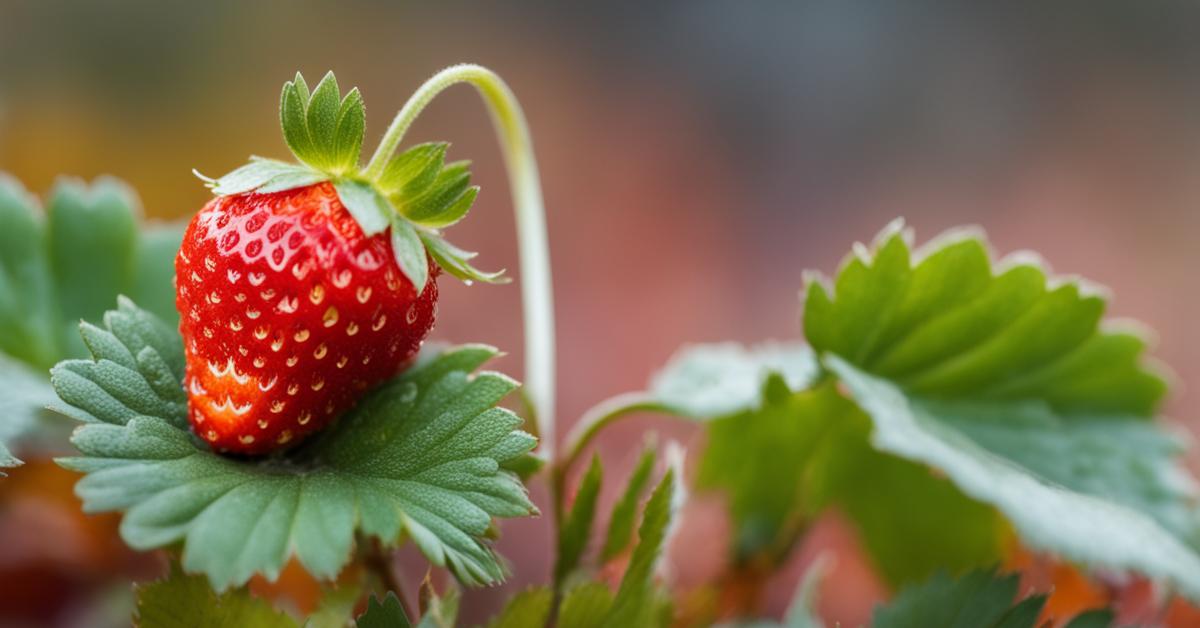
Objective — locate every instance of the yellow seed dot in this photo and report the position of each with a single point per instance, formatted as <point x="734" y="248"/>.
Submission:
<point x="320" y="351"/>
<point x="351" y="329"/>
<point x="317" y="294"/>
<point x="301" y="335"/>
<point x="331" y="317"/>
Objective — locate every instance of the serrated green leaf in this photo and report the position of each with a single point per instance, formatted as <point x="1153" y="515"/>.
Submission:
<point x="412" y="172"/>
<point x="624" y="512"/>
<point x="586" y="606"/>
<point x="528" y="609"/>
<point x="386" y="614"/>
<point x="30" y="321"/>
<point x="154" y="269"/>
<point x="91" y="241"/>
<point x="418" y="458"/>
<point x="637" y="602"/>
<point x="1008" y="384"/>
<point x="370" y="209"/>
<point x="409" y="250"/>
<point x="457" y="261"/>
<point x="980" y="599"/>
<point x="183" y="601"/>
<point x="577" y="527"/>
<point x="947" y="327"/>
<point x="715" y="380"/>
<point x="1095" y="529"/>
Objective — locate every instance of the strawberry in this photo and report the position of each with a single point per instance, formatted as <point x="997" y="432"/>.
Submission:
<point x="302" y="286"/>
<point x="289" y="312"/>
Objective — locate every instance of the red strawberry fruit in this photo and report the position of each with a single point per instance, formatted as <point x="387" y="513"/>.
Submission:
<point x="301" y="286"/>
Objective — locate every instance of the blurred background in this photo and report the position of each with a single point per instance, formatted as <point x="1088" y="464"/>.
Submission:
<point x="697" y="157"/>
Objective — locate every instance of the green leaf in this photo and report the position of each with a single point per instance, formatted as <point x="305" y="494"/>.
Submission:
<point x="265" y="176"/>
<point x="457" y="261"/>
<point x="336" y="607"/>
<point x="409" y="250"/>
<point x="418" y="458"/>
<point x="24" y="395"/>
<point x="30" y="319"/>
<point x="586" y="606"/>
<point x="369" y="208"/>
<point x="709" y="381"/>
<point x="1008" y="383"/>
<point x="529" y="608"/>
<point x="91" y="239"/>
<point x="760" y="459"/>
<point x="323" y="129"/>
<point x="1088" y="518"/>
<point x="900" y="508"/>
<point x="577" y="527"/>
<point x="154" y="269"/>
<point x="980" y="599"/>
<point x="182" y="601"/>
<point x="624" y="512"/>
<point x="949" y="327"/>
<point x="637" y="602"/>
<point x="386" y="614"/>
<point x="1101" y="618"/>
<point x="412" y="172"/>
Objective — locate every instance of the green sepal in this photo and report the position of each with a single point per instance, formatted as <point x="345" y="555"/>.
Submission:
<point x="412" y="172"/>
<point x="264" y="176"/>
<point x="456" y="261"/>
<point x="624" y="512"/>
<point x="443" y="203"/>
<point x="323" y="130"/>
<point x="409" y="249"/>
<point x="370" y="209"/>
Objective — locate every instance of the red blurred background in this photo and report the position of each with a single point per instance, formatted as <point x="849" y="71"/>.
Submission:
<point x="697" y="157"/>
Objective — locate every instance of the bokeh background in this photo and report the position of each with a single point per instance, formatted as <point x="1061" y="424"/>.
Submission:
<point x="697" y="156"/>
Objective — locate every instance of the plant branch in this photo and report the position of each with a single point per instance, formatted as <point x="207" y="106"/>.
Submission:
<point x="536" y="289"/>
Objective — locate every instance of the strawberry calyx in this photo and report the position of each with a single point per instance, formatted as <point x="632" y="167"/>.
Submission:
<point x="416" y="194"/>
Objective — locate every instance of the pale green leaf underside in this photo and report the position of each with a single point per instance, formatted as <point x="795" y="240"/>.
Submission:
<point x="419" y="458"/>
<point x="1082" y="507"/>
<point x="714" y="380"/>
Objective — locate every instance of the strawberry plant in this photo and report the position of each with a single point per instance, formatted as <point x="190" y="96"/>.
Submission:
<point x="955" y="408"/>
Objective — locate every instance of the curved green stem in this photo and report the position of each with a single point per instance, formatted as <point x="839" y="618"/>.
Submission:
<point x="536" y="290"/>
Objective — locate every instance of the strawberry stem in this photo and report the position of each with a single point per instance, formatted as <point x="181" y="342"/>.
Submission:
<point x="536" y="290"/>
